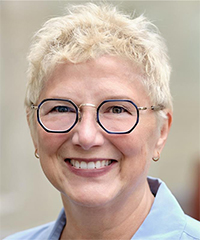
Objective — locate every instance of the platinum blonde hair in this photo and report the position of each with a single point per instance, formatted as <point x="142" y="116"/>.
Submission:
<point x="90" y="31"/>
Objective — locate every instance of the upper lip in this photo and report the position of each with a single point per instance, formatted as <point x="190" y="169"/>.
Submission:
<point x="90" y="159"/>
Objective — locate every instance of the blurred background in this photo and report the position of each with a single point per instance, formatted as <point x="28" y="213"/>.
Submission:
<point x="27" y="198"/>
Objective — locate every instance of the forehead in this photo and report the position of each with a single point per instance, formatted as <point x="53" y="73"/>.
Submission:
<point x="104" y="77"/>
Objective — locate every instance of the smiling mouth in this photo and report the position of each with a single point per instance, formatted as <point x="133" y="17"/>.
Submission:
<point x="89" y="165"/>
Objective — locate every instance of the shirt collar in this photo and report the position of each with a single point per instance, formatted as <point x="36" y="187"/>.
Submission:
<point x="58" y="227"/>
<point x="166" y="219"/>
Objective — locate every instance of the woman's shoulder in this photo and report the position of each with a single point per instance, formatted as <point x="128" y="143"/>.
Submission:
<point x="192" y="229"/>
<point x="36" y="233"/>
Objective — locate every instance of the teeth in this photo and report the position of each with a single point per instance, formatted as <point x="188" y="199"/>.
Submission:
<point x="103" y="163"/>
<point x="83" y="165"/>
<point x="90" y="165"/>
<point x="77" y="164"/>
<point x="72" y="162"/>
<point x="98" y="164"/>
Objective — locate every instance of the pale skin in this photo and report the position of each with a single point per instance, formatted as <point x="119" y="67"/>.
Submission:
<point x="113" y="204"/>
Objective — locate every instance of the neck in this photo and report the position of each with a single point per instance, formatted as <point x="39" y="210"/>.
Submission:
<point x="117" y="220"/>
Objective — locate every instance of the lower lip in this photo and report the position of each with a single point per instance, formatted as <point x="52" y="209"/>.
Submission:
<point x="97" y="172"/>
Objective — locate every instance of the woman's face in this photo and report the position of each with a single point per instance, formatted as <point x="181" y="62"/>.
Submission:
<point x="129" y="154"/>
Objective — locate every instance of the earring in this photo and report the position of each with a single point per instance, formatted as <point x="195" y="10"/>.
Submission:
<point x="155" y="159"/>
<point x="36" y="154"/>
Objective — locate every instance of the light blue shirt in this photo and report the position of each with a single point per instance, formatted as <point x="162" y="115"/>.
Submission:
<point x="165" y="221"/>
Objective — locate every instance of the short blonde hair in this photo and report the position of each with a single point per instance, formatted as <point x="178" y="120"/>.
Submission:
<point x="90" y="31"/>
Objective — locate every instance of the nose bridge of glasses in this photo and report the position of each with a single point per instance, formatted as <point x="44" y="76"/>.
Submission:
<point x="87" y="105"/>
<point x="84" y="105"/>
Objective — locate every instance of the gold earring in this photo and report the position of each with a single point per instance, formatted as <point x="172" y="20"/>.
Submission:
<point x="36" y="154"/>
<point x="155" y="159"/>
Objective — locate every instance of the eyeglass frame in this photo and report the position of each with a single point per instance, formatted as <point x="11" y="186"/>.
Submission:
<point x="78" y="112"/>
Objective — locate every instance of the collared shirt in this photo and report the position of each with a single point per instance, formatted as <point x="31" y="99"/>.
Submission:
<point x="165" y="221"/>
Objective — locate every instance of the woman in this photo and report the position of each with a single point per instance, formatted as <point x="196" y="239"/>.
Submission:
<point x="100" y="110"/>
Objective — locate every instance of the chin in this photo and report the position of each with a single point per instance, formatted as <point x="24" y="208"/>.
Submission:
<point x="90" y="196"/>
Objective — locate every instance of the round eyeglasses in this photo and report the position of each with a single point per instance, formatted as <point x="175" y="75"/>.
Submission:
<point x="115" y="116"/>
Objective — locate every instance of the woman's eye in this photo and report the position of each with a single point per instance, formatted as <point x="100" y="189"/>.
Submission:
<point x="62" y="109"/>
<point x="117" y="109"/>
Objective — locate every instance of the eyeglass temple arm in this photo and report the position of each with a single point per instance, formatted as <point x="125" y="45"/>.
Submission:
<point x="34" y="106"/>
<point x="154" y="108"/>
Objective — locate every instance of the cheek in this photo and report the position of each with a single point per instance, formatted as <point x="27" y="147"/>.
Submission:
<point x="48" y="149"/>
<point x="137" y="147"/>
<point x="49" y="143"/>
<point x="131" y="146"/>
<point x="135" y="160"/>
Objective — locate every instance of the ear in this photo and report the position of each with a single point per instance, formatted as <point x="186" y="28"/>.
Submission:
<point x="163" y="133"/>
<point x="32" y="127"/>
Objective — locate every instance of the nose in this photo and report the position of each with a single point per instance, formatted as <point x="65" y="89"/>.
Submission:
<point x="87" y="133"/>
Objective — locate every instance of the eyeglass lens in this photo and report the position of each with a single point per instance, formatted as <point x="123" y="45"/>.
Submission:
<point x="114" y="116"/>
